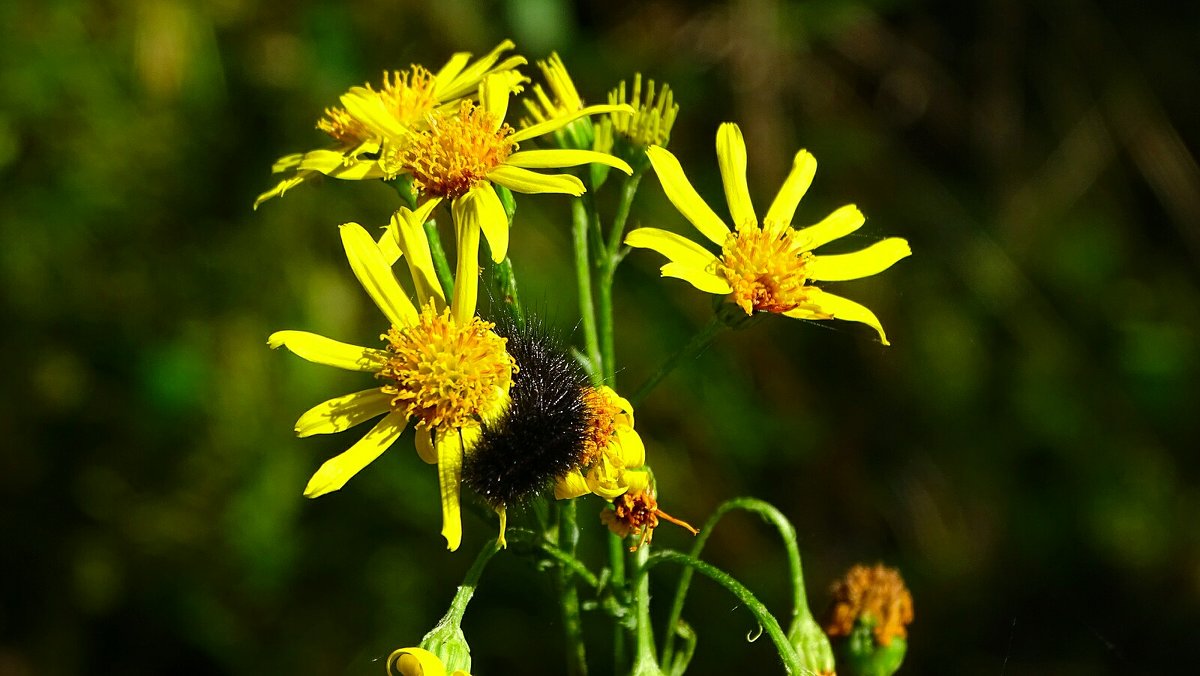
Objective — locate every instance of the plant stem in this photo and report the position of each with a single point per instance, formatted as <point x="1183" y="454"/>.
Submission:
<point x="791" y="659"/>
<point x="629" y="189"/>
<point x="645" y="632"/>
<point x="441" y="265"/>
<point x="581" y="571"/>
<point x="616" y="563"/>
<point x="458" y="607"/>
<point x="690" y="350"/>
<point x="606" y="262"/>
<point x="568" y="538"/>
<point x="768" y="512"/>
<point x="583" y="279"/>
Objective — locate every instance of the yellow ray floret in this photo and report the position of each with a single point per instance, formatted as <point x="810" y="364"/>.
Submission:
<point x="768" y="267"/>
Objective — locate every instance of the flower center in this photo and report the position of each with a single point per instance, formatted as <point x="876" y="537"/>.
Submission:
<point x="638" y="513"/>
<point x="343" y="127"/>
<point x="765" y="267"/>
<point x="409" y="94"/>
<point x="446" y="374"/>
<point x="877" y="594"/>
<point x="456" y="152"/>
<point x="601" y="424"/>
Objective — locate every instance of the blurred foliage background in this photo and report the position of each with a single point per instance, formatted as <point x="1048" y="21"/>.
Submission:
<point x="1025" y="452"/>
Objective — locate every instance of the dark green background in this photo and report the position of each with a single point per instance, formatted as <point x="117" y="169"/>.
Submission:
<point x="1025" y="452"/>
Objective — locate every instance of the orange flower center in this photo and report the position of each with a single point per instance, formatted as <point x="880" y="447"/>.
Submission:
<point x="876" y="595"/>
<point x="638" y="513"/>
<point x="601" y="427"/>
<point x="456" y="152"/>
<point x="766" y="267"/>
<point x="446" y="374"/>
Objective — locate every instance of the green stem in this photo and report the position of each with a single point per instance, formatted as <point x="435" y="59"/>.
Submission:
<point x="608" y="356"/>
<point x="568" y="538"/>
<point x="441" y="265"/>
<point x="616" y="563"/>
<point x="791" y="659"/>
<point x="607" y="261"/>
<point x="458" y="607"/>
<point x="629" y="189"/>
<point x="690" y="350"/>
<point x="645" y="632"/>
<point x="768" y="512"/>
<point x="583" y="278"/>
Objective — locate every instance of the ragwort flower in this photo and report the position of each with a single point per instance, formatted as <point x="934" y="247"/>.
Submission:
<point x="465" y="151"/>
<point x="767" y="267"/>
<point x="370" y="119"/>
<point x="637" y="512"/>
<point x="441" y="366"/>
<point x="612" y="450"/>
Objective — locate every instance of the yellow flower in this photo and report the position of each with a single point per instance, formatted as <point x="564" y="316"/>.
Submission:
<point x="612" y="450"/>
<point x="371" y="120"/>
<point x="562" y="101"/>
<point x="653" y="117"/>
<point x="764" y="268"/>
<point x="463" y="152"/>
<point x="417" y="662"/>
<point x="637" y="512"/>
<point x="441" y="366"/>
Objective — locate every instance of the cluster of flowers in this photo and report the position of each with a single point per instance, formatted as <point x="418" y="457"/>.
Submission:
<point x="444" y="137"/>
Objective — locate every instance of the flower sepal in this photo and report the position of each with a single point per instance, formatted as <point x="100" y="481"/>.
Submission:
<point x="811" y="643"/>
<point x="448" y="643"/>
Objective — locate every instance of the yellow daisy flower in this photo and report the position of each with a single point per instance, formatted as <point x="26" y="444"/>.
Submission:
<point x="462" y="153"/>
<point x="765" y="268"/>
<point x="612" y="450"/>
<point x="440" y="366"/>
<point x="417" y="662"/>
<point x="370" y="119"/>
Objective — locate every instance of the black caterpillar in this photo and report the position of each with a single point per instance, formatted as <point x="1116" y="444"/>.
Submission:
<point x="540" y="438"/>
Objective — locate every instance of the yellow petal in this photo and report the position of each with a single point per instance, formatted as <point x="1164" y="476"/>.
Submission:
<point x="414" y="244"/>
<point x="493" y="98"/>
<point x="467" y="212"/>
<point x="414" y="662"/>
<point x="323" y="161"/>
<point x="282" y="187"/>
<point x="449" y="73"/>
<point x="804" y="167"/>
<point x="493" y="221"/>
<point x="605" y="480"/>
<point x="322" y="350"/>
<point x="337" y="470"/>
<point x="557" y="123"/>
<point x="869" y="261"/>
<point x="559" y="158"/>
<point x="387" y="243"/>
<point x="685" y="198"/>
<point x="424" y="443"/>
<point x="502" y="512"/>
<point x="450" y="454"/>
<point x="731" y="156"/>
<point x="376" y="277"/>
<point x="630" y="446"/>
<point x="342" y="413"/>
<point x="287" y="162"/>
<point x="840" y="223"/>
<point x="677" y="248"/>
<point x="530" y="182"/>
<point x="826" y="305"/>
<point x="465" y="79"/>
<point x="369" y="108"/>
<point x="638" y="481"/>
<point x="701" y="279"/>
<point x="624" y="406"/>
<point x="570" y="486"/>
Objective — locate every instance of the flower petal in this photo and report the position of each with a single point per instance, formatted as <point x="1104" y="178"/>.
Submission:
<point x="387" y="243"/>
<point x="283" y="186"/>
<point x="493" y="98"/>
<point x="564" y="157"/>
<point x="630" y="446"/>
<point x="465" y="79"/>
<point x="677" y="248"/>
<point x="701" y="279"/>
<point x="570" y="486"/>
<point x="449" y="73"/>
<point x="840" y="223"/>
<point x="731" y="156"/>
<point x="685" y="198"/>
<point x="375" y="275"/>
<point x="337" y="470"/>
<point x="530" y="182"/>
<point x="468" y="214"/>
<point x="556" y="123"/>
<point x="870" y="261"/>
<point x="409" y="231"/>
<point x="450" y="455"/>
<point x="825" y="305"/>
<point x="424" y="444"/>
<point x="493" y="222"/>
<point x="327" y="351"/>
<point x="804" y="167"/>
<point x="344" y="412"/>
<point x="638" y="481"/>
<point x="369" y="108"/>
<point x="414" y="662"/>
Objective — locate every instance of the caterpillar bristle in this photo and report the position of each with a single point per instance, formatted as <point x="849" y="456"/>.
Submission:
<point x="540" y="437"/>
